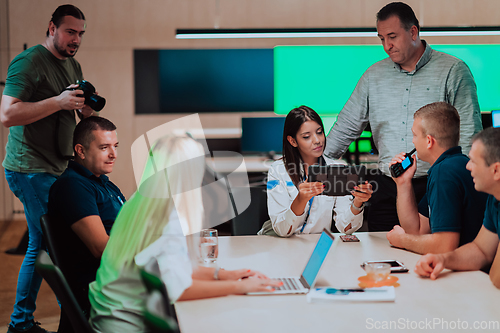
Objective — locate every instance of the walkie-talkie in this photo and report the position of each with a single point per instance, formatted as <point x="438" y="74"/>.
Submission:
<point x="398" y="168"/>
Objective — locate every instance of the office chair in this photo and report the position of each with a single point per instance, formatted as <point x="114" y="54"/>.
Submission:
<point x="251" y="220"/>
<point x="151" y="277"/>
<point x="49" y="238"/>
<point x="156" y="318"/>
<point x="56" y="280"/>
<point x="57" y="251"/>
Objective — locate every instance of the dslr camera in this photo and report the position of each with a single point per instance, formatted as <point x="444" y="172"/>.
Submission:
<point x="93" y="100"/>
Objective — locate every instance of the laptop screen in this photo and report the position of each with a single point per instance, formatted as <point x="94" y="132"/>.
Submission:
<point x="317" y="257"/>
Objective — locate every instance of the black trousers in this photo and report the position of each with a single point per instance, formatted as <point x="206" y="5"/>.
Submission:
<point x="381" y="213"/>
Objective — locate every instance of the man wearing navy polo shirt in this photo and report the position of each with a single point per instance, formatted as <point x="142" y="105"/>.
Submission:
<point x="484" y="165"/>
<point x="84" y="203"/>
<point x="451" y="212"/>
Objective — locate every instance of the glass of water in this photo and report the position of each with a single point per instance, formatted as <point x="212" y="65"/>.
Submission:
<point x="209" y="246"/>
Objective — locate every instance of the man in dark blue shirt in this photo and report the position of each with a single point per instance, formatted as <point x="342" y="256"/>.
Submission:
<point x="451" y="212"/>
<point x="84" y="203"/>
<point x="484" y="165"/>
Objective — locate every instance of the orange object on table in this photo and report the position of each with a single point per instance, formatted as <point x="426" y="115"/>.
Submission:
<point x="366" y="282"/>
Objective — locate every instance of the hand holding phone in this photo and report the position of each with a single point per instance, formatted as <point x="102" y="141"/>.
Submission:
<point x="398" y="169"/>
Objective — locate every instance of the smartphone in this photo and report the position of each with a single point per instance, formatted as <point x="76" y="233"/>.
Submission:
<point x="396" y="266"/>
<point x="495" y="118"/>
<point x="349" y="238"/>
<point x="398" y="168"/>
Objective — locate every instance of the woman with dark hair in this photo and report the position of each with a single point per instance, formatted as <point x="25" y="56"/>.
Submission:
<point x="297" y="206"/>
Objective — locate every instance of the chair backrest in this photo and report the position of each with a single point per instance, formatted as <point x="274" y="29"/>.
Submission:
<point x="156" y="317"/>
<point x="56" y="280"/>
<point x="251" y="220"/>
<point x="49" y="236"/>
<point x="66" y="253"/>
<point x="151" y="276"/>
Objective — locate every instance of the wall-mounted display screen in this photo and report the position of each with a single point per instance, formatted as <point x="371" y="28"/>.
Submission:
<point x="262" y="135"/>
<point x="196" y="81"/>
<point x="323" y="77"/>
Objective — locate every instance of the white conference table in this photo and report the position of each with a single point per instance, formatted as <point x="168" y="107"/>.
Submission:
<point x="456" y="299"/>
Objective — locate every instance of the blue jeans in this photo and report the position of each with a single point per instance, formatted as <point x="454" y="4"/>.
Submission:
<point x="33" y="191"/>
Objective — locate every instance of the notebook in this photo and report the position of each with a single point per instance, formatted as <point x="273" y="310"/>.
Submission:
<point x="381" y="294"/>
<point x="302" y="284"/>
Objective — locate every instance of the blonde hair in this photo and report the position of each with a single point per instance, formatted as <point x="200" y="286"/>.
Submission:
<point x="171" y="180"/>
<point x="442" y="121"/>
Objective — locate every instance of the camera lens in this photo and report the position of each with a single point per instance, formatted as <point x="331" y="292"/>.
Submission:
<point x="96" y="102"/>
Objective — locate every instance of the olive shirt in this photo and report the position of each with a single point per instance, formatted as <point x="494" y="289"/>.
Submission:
<point x="34" y="75"/>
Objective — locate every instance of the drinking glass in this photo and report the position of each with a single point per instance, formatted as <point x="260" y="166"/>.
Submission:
<point x="377" y="271"/>
<point x="209" y="246"/>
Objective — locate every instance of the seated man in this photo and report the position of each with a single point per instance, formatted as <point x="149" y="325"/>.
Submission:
<point x="451" y="212"/>
<point x="484" y="165"/>
<point x="83" y="204"/>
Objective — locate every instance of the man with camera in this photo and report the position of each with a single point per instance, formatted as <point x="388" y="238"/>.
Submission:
<point x="451" y="212"/>
<point x="83" y="205"/>
<point x="484" y="166"/>
<point x="38" y="105"/>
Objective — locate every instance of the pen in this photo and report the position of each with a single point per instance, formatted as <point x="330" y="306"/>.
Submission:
<point x="120" y="199"/>
<point x="348" y="291"/>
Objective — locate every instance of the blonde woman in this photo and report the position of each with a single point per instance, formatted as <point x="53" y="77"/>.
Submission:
<point x="167" y="206"/>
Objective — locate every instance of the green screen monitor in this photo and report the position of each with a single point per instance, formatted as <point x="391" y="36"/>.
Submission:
<point x="323" y="77"/>
<point x="364" y="143"/>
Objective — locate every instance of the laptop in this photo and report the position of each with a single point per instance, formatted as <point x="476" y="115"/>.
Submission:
<point x="302" y="284"/>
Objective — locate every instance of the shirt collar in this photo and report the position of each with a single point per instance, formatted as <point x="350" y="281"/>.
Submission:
<point x="424" y="59"/>
<point x="496" y="203"/>
<point x="450" y="152"/>
<point x="83" y="171"/>
<point x="52" y="56"/>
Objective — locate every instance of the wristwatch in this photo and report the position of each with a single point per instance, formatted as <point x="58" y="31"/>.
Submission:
<point x="358" y="208"/>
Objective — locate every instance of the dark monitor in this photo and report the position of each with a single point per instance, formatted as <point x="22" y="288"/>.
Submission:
<point x="204" y="80"/>
<point x="487" y="119"/>
<point x="262" y="135"/>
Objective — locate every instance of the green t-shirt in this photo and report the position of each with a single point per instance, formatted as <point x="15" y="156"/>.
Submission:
<point x="34" y="75"/>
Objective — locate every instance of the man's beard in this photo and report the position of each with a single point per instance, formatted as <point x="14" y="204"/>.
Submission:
<point x="61" y="50"/>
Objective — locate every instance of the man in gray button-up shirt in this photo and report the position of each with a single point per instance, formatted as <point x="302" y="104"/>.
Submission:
<point x="388" y="94"/>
